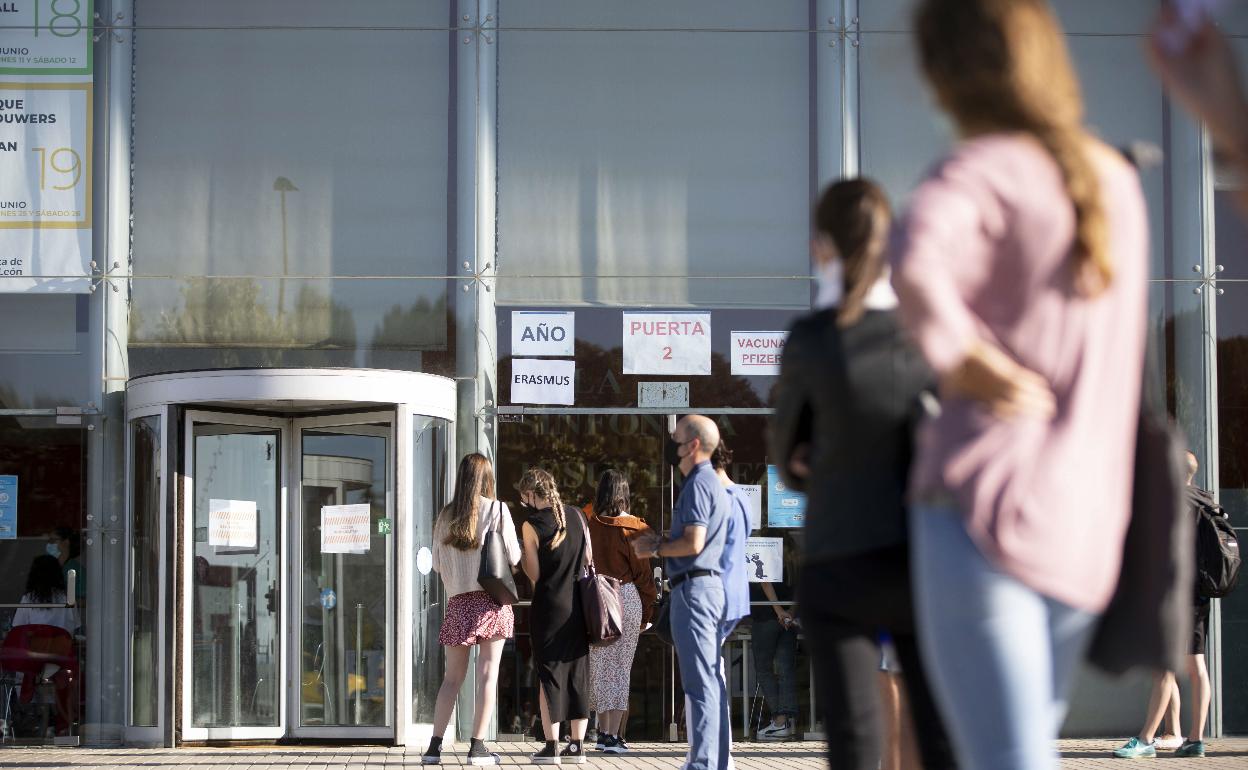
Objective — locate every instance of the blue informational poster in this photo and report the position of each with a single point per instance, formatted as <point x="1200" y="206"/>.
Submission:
<point x="8" y="507"/>
<point x="785" y="508"/>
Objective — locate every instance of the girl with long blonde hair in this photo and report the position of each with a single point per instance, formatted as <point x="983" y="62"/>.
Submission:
<point x="1021" y="268"/>
<point x="554" y="546"/>
<point x="473" y="618"/>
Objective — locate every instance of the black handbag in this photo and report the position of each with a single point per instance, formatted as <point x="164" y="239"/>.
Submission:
<point x="600" y="597"/>
<point x="1148" y="622"/>
<point x="662" y="625"/>
<point x="495" y="575"/>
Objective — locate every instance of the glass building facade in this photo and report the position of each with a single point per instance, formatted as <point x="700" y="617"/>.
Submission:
<point x="316" y="226"/>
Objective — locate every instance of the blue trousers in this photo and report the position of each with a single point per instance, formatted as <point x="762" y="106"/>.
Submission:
<point x="697" y="629"/>
<point x="1001" y="657"/>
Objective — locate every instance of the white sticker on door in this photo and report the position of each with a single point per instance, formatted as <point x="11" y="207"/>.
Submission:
<point x="345" y="528"/>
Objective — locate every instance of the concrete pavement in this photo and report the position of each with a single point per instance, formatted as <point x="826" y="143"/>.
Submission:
<point x="1225" y="754"/>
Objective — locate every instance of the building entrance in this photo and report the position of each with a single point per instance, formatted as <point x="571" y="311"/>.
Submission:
<point x="278" y="544"/>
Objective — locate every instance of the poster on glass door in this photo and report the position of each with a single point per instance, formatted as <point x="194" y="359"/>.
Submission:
<point x="232" y="523"/>
<point x="346" y="528"/>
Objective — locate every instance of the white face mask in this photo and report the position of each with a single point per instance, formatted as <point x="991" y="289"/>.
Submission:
<point x="831" y="283"/>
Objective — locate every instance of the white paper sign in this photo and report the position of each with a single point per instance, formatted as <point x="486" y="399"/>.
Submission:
<point x="543" y="334"/>
<point x="538" y="381"/>
<point x="232" y="523"/>
<point x="41" y="37"/>
<point x="345" y="528"/>
<point x="45" y="187"/>
<point x="764" y="559"/>
<point x="754" y="495"/>
<point x="757" y="353"/>
<point x="667" y="343"/>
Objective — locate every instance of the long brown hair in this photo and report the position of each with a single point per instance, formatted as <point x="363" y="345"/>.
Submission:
<point x="612" y="496"/>
<point x="473" y="481"/>
<point x="855" y="215"/>
<point x="1002" y="65"/>
<point x="541" y="484"/>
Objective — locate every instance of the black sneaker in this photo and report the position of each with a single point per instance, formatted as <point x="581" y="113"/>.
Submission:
<point x="547" y="756"/>
<point x="615" y="746"/>
<point x="574" y="754"/>
<point x="623" y="745"/>
<point x="480" y="756"/>
<point x="601" y="745"/>
<point x="431" y="758"/>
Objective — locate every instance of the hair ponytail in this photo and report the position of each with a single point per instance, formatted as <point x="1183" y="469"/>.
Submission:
<point x="541" y="484"/>
<point x="1093" y="268"/>
<point x="855" y="215"/>
<point x="1003" y="66"/>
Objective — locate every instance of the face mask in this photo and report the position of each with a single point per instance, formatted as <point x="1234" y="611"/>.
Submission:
<point x="53" y="550"/>
<point x="671" y="452"/>
<point x="830" y="284"/>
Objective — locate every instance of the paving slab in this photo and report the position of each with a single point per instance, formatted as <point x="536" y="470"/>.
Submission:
<point x="1084" y="754"/>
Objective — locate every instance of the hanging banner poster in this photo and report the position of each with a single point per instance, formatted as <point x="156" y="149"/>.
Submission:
<point x="346" y="528"/>
<point x="785" y="508"/>
<point x="667" y="343"/>
<point x="232" y="523"/>
<point x="45" y="187"/>
<point x="539" y="381"/>
<point x="8" y="507"/>
<point x="754" y="494"/>
<point x="46" y="37"/>
<point x="543" y="334"/>
<point x="757" y="353"/>
<point x="764" y="559"/>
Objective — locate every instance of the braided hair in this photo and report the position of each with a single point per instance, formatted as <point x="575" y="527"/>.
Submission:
<point x="541" y="485"/>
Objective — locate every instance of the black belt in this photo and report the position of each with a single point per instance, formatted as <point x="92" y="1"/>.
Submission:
<point x="691" y="574"/>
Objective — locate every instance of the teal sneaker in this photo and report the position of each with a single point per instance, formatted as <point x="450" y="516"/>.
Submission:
<point x="1191" y="749"/>
<point x="1136" y="748"/>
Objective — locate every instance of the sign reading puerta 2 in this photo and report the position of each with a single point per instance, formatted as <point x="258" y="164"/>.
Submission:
<point x="45" y="145"/>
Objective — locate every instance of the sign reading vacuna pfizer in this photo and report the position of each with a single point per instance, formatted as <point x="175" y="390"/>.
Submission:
<point x="8" y="507"/>
<point x="785" y="508"/>
<point x="757" y="353"/>
<point x="543" y="334"/>
<point x="541" y="381"/>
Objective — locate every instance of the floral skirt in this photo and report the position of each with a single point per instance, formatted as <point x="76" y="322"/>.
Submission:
<point x="611" y="666"/>
<point x="473" y="618"/>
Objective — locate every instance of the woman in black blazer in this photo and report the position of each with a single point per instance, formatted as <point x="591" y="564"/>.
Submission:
<point x="849" y="395"/>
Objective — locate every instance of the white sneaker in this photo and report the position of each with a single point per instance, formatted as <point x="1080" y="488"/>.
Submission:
<point x="773" y="733"/>
<point x="1168" y="742"/>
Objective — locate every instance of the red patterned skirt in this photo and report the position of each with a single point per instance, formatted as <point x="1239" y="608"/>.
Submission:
<point x="473" y="618"/>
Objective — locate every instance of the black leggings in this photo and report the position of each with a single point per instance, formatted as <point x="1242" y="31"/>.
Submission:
<point x="844" y="604"/>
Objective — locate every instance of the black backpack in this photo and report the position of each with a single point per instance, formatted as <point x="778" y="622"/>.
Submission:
<point x="1217" y="548"/>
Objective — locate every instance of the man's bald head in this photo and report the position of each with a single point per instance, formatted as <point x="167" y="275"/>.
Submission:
<point x="703" y="429"/>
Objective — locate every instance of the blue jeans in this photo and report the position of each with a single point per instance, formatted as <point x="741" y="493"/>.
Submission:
<point x="775" y="648"/>
<point x="697" y="628"/>
<point x="1001" y="657"/>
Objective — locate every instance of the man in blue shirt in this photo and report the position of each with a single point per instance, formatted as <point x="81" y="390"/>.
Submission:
<point x="693" y="550"/>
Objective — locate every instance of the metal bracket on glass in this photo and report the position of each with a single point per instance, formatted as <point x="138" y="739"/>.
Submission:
<point x="99" y="276"/>
<point x="1208" y="281"/>
<point x="846" y="34"/>
<point x="482" y="276"/>
<point x="103" y="27"/>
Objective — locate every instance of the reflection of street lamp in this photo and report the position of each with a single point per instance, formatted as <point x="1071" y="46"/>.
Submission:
<point x="283" y="186"/>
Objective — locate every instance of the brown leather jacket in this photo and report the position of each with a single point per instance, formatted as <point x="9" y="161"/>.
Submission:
<point x="613" y="555"/>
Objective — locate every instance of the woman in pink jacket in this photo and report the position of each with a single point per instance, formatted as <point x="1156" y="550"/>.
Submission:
<point x="1021" y="269"/>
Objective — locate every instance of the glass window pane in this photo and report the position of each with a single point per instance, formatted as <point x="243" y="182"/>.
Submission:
<point x="145" y="561"/>
<point x="430" y="480"/>
<point x="628" y="161"/>
<point x="259" y="153"/>
<point x="600" y="379"/>
<point x="235" y="625"/>
<point x="196" y="323"/>
<point x="344" y="627"/>
<point x="45" y="346"/>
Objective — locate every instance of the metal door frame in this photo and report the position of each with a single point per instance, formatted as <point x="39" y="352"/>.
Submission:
<point x="294" y="550"/>
<point x="186" y="514"/>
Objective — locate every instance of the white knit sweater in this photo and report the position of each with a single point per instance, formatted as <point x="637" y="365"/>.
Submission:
<point x="458" y="568"/>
